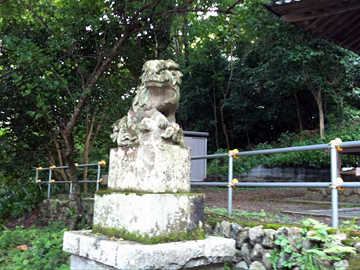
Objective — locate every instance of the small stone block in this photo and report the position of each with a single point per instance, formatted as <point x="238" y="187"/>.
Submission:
<point x="132" y="255"/>
<point x="150" y="168"/>
<point x="149" y="215"/>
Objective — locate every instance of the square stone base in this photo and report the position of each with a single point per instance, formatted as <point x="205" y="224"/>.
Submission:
<point x="148" y="215"/>
<point x="100" y="252"/>
<point x="150" y="168"/>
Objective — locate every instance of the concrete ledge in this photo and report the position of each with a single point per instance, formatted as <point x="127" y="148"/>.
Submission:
<point x="150" y="168"/>
<point x="149" y="215"/>
<point x="103" y="253"/>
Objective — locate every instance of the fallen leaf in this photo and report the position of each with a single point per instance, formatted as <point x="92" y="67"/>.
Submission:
<point x="23" y="247"/>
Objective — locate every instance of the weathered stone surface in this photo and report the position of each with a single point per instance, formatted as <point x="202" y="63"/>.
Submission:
<point x="256" y="234"/>
<point x="149" y="215"/>
<point x="242" y="238"/>
<point x="208" y="229"/>
<point x="81" y="263"/>
<point x="151" y="119"/>
<point x="235" y="230"/>
<point x="132" y="255"/>
<point x="256" y="252"/>
<point x="344" y="264"/>
<point x="348" y="192"/>
<point x="313" y="196"/>
<point x="242" y="266"/>
<point x="269" y="238"/>
<point x="56" y="210"/>
<point x="245" y="252"/>
<point x="223" y="229"/>
<point x="294" y="236"/>
<point x="284" y="174"/>
<point x="257" y="266"/>
<point x="357" y="246"/>
<point x="265" y="258"/>
<point x="150" y="168"/>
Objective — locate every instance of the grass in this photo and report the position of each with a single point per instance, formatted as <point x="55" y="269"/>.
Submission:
<point x="34" y="248"/>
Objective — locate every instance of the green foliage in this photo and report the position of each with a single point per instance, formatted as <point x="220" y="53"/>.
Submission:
<point x="314" y="159"/>
<point x="33" y="248"/>
<point x="325" y="249"/>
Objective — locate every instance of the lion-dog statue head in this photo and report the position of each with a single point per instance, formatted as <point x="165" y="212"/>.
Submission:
<point x="151" y="118"/>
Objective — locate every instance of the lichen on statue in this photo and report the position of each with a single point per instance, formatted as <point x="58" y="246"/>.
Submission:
<point x="151" y="118"/>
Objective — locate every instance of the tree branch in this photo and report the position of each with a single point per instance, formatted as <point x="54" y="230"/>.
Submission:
<point x="51" y="32"/>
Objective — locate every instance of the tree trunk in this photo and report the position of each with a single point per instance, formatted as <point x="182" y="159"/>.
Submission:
<point x="72" y="172"/>
<point x="214" y="107"/>
<point x="298" y="112"/>
<point x="317" y="95"/>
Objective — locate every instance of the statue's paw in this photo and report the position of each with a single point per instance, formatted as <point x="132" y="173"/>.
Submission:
<point x="146" y="124"/>
<point x="161" y="121"/>
<point x="168" y="133"/>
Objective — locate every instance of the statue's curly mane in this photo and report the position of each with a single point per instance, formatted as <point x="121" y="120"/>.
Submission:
<point x="154" y="105"/>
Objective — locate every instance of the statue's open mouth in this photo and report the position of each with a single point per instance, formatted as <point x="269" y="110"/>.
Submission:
<point x="157" y="84"/>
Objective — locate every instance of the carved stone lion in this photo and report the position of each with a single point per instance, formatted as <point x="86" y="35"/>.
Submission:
<point x="151" y="118"/>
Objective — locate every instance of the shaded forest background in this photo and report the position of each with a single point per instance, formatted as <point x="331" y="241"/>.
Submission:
<point x="69" y="70"/>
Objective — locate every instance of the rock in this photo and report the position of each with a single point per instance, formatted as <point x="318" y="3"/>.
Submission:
<point x="265" y="257"/>
<point x="282" y="259"/>
<point x="208" y="229"/>
<point x="245" y="253"/>
<point x="222" y="229"/>
<point x="257" y="266"/>
<point x="344" y="264"/>
<point x="348" y="192"/>
<point x="313" y="196"/>
<point x="256" y="252"/>
<point x="357" y="246"/>
<point x="307" y="243"/>
<point x="242" y="238"/>
<point x="282" y="230"/>
<point x="242" y="266"/>
<point x="269" y="238"/>
<point x="235" y="230"/>
<point x="294" y="236"/>
<point x="323" y="191"/>
<point x="340" y="236"/>
<point x="353" y="199"/>
<point x="256" y="234"/>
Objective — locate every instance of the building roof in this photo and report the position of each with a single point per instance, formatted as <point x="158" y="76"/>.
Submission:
<point x="337" y="21"/>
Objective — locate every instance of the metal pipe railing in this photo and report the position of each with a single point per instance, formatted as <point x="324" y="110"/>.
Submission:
<point x="336" y="182"/>
<point x="52" y="181"/>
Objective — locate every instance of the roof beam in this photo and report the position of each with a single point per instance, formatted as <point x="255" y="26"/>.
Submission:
<point x="316" y="15"/>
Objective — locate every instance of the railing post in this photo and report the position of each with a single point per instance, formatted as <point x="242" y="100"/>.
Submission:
<point x="334" y="183"/>
<point x="36" y="176"/>
<point x="98" y="177"/>
<point x="49" y="183"/>
<point x="230" y="190"/>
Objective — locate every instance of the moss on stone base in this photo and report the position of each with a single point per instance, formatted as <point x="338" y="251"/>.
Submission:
<point x="198" y="234"/>
<point x="128" y="192"/>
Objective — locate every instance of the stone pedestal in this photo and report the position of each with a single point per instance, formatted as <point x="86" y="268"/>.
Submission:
<point x="146" y="216"/>
<point x="148" y="201"/>
<point x="100" y="252"/>
<point x="150" y="168"/>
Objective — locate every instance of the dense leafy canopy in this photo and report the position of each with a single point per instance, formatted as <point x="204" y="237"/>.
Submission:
<point x="68" y="70"/>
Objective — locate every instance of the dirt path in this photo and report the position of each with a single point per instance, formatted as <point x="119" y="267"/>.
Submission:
<point x="269" y="200"/>
<point x="250" y="204"/>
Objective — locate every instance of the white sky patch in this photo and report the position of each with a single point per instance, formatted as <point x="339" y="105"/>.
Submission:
<point x="88" y="28"/>
<point x="105" y="18"/>
<point x="212" y="12"/>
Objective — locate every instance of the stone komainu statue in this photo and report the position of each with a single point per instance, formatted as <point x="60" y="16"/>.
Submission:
<point x="151" y="118"/>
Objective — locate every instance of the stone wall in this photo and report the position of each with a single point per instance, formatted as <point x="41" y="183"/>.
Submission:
<point x="284" y="174"/>
<point x="55" y="210"/>
<point x="255" y="245"/>
<point x="263" y="173"/>
<point x="348" y="195"/>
